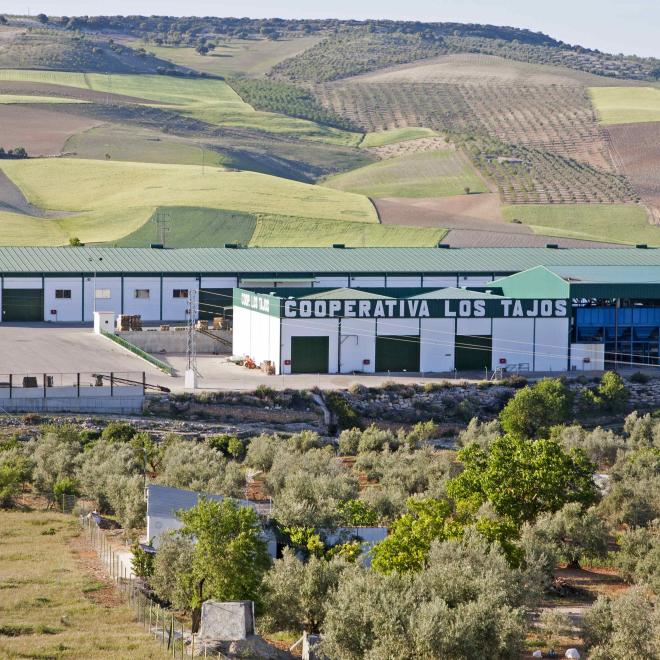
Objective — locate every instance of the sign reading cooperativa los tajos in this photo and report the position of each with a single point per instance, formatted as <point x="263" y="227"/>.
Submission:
<point x="387" y="308"/>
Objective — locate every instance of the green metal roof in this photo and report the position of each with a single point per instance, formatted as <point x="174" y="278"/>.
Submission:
<point x="281" y="261"/>
<point x="345" y="294"/>
<point x="608" y="274"/>
<point x="453" y="293"/>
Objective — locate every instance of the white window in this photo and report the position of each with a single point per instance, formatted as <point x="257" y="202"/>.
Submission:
<point x="180" y="293"/>
<point x="143" y="294"/>
<point x="63" y="293"/>
<point x="103" y="294"/>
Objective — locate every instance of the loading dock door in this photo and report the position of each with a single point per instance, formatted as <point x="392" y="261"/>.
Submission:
<point x="397" y="353"/>
<point x="215" y="302"/>
<point x="310" y="355"/>
<point x="473" y="352"/>
<point x="22" y="305"/>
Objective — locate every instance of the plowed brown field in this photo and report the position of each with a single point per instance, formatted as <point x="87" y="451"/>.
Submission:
<point x="636" y="152"/>
<point x="41" y="131"/>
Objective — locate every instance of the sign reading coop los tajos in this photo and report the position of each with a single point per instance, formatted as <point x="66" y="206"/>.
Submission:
<point x="403" y="308"/>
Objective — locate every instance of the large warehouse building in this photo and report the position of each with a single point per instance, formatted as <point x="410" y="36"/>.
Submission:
<point x="543" y="319"/>
<point x="387" y="309"/>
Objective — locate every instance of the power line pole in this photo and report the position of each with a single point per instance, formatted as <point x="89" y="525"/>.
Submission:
<point x="190" y="382"/>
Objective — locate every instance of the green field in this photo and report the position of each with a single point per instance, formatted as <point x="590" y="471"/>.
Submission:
<point x="626" y="105"/>
<point x="199" y="227"/>
<point x="237" y="57"/>
<point x="613" y="223"/>
<point x="297" y="232"/>
<point x="212" y="101"/>
<point x="111" y="199"/>
<point x="194" y="227"/>
<point x="53" y="604"/>
<point x="382" y="138"/>
<point x="131" y="143"/>
<point x="426" y="174"/>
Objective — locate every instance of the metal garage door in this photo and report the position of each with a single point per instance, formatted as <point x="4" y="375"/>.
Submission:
<point x="22" y="305"/>
<point x="310" y="355"/>
<point x="473" y="352"/>
<point x="397" y="353"/>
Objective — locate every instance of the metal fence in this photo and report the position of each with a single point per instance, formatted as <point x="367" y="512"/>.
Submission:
<point x="171" y="633"/>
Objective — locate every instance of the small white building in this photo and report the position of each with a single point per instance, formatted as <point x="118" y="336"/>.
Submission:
<point x="351" y="331"/>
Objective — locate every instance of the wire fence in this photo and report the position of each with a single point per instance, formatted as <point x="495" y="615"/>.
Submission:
<point x="173" y="636"/>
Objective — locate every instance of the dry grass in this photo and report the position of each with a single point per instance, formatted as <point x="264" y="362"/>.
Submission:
<point x="55" y="597"/>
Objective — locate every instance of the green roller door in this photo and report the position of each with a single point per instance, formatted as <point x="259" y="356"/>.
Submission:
<point x="212" y="302"/>
<point x="22" y="305"/>
<point x="397" y="353"/>
<point x="473" y="352"/>
<point x="310" y="355"/>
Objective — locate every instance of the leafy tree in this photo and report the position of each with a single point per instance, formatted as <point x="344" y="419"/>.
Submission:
<point x="261" y="451"/>
<point x="622" y="628"/>
<point x="55" y="457"/>
<point x="118" y="432"/>
<point x="10" y="484"/>
<point x="42" y="18"/>
<point x="3" y="20"/>
<point x="451" y="609"/>
<point x="356" y="513"/>
<point x="576" y="533"/>
<point x="172" y="577"/>
<point x="142" y="562"/>
<point x="534" y="410"/>
<point x="611" y="394"/>
<point x="483" y="433"/>
<point x="65" y="486"/>
<point x="408" y="543"/>
<point x="601" y="446"/>
<point x="638" y="559"/>
<point x="229" y="445"/>
<point x="523" y="478"/>
<point x="296" y="593"/>
<point x="230" y="556"/>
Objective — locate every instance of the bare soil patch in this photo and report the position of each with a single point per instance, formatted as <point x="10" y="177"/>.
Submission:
<point x="41" y="131"/>
<point x="456" y="212"/>
<point x="635" y="150"/>
<point x="408" y="147"/>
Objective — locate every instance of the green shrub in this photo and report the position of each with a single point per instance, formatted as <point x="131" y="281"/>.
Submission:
<point x="142" y="562"/>
<point x="347" y="417"/>
<point x="639" y="377"/>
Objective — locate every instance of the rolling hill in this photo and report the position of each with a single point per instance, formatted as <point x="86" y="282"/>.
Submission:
<point x="401" y="113"/>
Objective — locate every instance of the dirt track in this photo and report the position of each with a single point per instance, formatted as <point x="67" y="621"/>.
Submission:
<point x="42" y="131"/>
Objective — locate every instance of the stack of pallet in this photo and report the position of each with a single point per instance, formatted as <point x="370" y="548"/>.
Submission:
<point x="202" y="325"/>
<point x="126" y="322"/>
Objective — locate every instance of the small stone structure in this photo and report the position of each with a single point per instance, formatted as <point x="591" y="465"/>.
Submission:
<point x="231" y="621"/>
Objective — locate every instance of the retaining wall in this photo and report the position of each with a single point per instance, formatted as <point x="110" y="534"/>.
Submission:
<point x="174" y="341"/>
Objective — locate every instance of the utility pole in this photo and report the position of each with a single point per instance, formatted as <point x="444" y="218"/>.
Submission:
<point x="162" y="226"/>
<point x="190" y="381"/>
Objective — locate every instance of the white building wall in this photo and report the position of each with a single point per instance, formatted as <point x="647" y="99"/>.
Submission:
<point x="471" y="327"/>
<point x="22" y="283"/>
<point x="218" y="282"/>
<point x="513" y="341"/>
<point x="147" y="308"/>
<point x="174" y="309"/>
<point x="275" y="343"/>
<point x="439" y="281"/>
<point x="551" y="345"/>
<point x="331" y="281"/>
<point x="437" y="343"/>
<point x="112" y="304"/>
<point x="367" y="281"/>
<point x="358" y="343"/>
<point x="404" y="281"/>
<point x="310" y="328"/>
<point x="474" y="280"/>
<point x="397" y="327"/>
<point x="67" y="310"/>
<point x="241" y="332"/>
<point x="587" y="357"/>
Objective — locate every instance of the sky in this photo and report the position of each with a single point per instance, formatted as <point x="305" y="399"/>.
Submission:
<point x="627" y="26"/>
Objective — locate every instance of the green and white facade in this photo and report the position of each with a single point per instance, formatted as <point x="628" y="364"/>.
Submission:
<point x="349" y="331"/>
